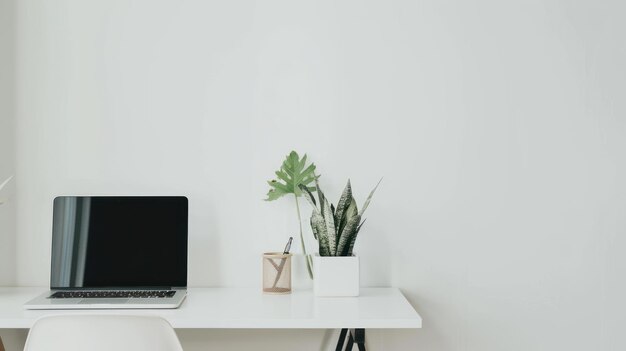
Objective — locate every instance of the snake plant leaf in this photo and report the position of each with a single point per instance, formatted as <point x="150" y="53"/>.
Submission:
<point x="351" y="247"/>
<point x="313" y="227"/>
<point x="344" y="201"/>
<point x="320" y="193"/>
<point x="308" y="195"/>
<point x="352" y="209"/>
<point x="329" y="220"/>
<point x="318" y="222"/>
<point x="369" y="198"/>
<point x="346" y="236"/>
<point x="353" y="239"/>
<point x="290" y="176"/>
<point x="360" y="225"/>
<point x="336" y="229"/>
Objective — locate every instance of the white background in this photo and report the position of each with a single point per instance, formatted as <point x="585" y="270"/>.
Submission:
<point x="498" y="126"/>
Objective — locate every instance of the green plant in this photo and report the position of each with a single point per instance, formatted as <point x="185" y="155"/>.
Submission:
<point x="336" y="229"/>
<point x="293" y="176"/>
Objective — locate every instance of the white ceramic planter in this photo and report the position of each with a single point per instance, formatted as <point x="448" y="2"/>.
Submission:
<point x="336" y="276"/>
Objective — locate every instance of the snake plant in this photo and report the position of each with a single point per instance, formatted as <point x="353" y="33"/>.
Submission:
<point x="336" y="228"/>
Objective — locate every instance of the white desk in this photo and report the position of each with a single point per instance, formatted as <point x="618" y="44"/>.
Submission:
<point x="234" y="308"/>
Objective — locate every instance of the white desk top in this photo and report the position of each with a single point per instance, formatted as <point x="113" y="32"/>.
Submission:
<point x="376" y="308"/>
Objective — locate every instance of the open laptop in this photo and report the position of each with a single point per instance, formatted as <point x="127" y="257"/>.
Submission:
<point x="117" y="252"/>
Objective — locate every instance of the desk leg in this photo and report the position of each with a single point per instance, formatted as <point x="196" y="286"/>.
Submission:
<point x="1" y="345"/>
<point x="355" y="336"/>
<point x="340" y="342"/>
<point x="350" y="343"/>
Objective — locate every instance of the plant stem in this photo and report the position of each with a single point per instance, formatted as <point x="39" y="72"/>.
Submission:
<point x="306" y="257"/>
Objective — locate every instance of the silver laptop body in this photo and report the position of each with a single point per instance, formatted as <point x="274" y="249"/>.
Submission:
<point x="117" y="252"/>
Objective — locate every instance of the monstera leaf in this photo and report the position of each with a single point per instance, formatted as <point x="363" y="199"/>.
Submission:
<point x="291" y="175"/>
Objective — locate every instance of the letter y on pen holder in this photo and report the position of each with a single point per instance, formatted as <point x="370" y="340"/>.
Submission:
<point x="276" y="273"/>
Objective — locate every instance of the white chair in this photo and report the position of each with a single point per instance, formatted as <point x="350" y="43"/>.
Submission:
<point x="102" y="333"/>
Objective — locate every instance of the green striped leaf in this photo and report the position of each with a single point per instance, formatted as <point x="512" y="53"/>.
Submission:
<point x="329" y="221"/>
<point x="353" y="239"/>
<point x="369" y="198"/>
<point x="346" y="236"/>
<point x="344" y="202"/>
<point x="318" y="222"/>
<point x="309" y="197"/>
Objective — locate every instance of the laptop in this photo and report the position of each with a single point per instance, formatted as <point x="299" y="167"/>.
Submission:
<point x="111" y="252"/>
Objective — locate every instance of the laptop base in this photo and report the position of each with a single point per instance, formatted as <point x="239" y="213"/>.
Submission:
<point x="44" y="302"/>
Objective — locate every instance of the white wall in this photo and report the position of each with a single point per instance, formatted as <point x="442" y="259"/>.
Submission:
<point x="498" y="126"/>
<point x="11" y="339"/>
<point x="7" y="141"/>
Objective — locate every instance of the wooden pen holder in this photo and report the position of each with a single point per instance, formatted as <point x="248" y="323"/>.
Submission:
<point x="276" y="273"/>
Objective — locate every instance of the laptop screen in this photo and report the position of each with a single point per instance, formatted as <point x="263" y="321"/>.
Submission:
<point x="119" y="242"/>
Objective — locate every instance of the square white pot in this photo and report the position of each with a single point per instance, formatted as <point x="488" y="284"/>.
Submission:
<point x="336" y="275"/>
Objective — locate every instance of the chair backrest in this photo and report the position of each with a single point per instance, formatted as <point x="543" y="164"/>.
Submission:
<point x="102" y="333"/>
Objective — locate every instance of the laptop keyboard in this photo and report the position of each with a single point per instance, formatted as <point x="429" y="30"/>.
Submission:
<point x="113" y="293"/>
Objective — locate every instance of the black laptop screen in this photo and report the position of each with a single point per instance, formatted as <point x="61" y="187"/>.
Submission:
<point x="119" y="242"/>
